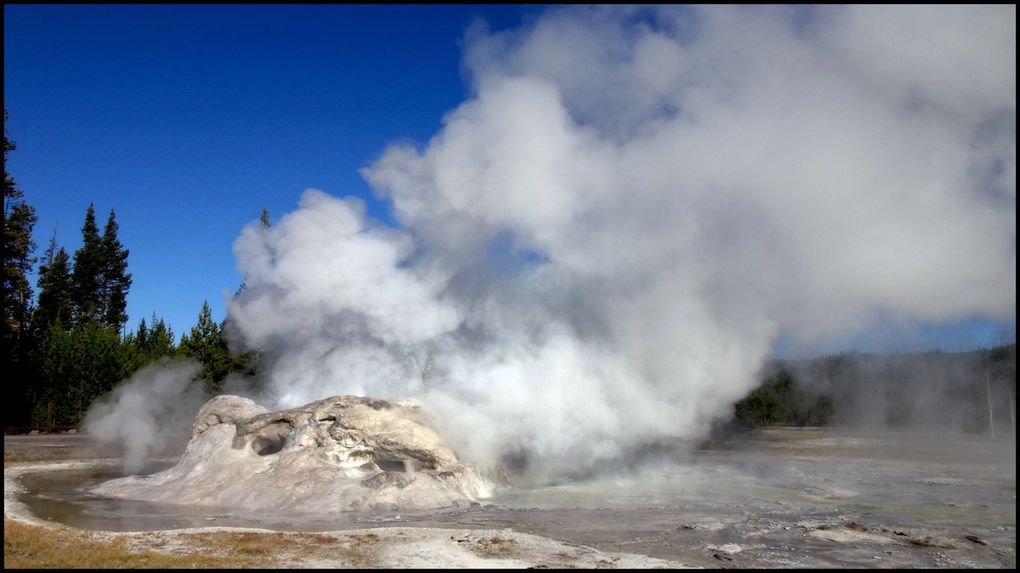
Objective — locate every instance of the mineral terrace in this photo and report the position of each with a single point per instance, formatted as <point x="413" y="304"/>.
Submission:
<point x="344" y="453"/>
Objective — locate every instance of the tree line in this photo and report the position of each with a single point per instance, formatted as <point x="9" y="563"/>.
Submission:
<point x="970" y="392"/>
<point x="66" y="346"/>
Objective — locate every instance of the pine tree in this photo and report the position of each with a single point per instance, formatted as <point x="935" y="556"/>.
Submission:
<point x="76" y="366"/>
<point x="55" y="358"/>
<point x="16" y="251"/>
<point x="148" y="343"/>
<point x="206" y="344"/>
<point x="264" y="221"/>
<point x="153" y="341"/>
<point x="161" y="339"/>
<point x="11" y="190"/>
<point x="114" y="279"/>
<point x="87" y="273"/>
<point x="16" y="248"/>
<point x="55" y="291"/>
<point x="140" y="338"/>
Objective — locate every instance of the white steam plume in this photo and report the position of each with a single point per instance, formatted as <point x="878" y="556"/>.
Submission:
<point x="149" y="413"/>
<point x="601" y="245"/>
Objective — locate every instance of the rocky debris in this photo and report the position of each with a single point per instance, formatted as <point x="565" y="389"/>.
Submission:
<point x="850" y="532"/>
<point x="853" y="532"/>
<point x="338" y="454"/>
<point x="725" y="552"/>
<point x="975" y="539"/>
<point x="703" y="525"/>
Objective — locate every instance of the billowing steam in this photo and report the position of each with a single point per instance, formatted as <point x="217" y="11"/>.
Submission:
<point x="601" y="245"/>
<point x="150" y="413"/>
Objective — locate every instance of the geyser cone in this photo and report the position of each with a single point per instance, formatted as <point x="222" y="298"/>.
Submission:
<point x="338" y="454"/>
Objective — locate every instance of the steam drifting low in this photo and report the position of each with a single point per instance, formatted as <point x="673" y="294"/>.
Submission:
<point x="601" y="245"/>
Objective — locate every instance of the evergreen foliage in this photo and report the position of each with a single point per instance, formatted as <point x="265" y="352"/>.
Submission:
<point x="75" y="367"/>
<point x="150" y="343"/>
<point x="206" y="344"/>
<point x="55" y="291"/>
<point x="114" y="280"/>
<point x="16" y="248"/>
<point x="87" y="273"/>
<point x="19" y="220"/>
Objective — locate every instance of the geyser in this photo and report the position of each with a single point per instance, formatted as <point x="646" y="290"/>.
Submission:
<point x="599" y="248"/>
<point x="344" y="453"/>
<point x="602" y="244"/>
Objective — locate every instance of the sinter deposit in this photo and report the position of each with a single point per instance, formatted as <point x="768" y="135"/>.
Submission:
<point x="338" y="454"/>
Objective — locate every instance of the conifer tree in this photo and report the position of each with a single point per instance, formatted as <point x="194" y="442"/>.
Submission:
<point x="16" y="252"/>
<point x="161" y="339"/>
<point x="16" y="248"/>
<point x="141" y="336"/>
<point x="148" y="343"/>
<point x="55" y="291"/>
<point x="87" y="273"/>
<point x="264" y="222"/>
<point x="153" y="341"/>
<point x="19" y="219"/>
<point x="206" y="344"/>
<point x="114" y="278"/>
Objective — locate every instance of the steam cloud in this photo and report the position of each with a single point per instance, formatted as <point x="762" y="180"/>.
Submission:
<point x="601" y="245"/>
<point x="149" y="413"/>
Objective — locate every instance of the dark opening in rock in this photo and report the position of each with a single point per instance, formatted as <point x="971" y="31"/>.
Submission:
<point x="267" y="446"/>
<point x="390" y="465"/>
<point x="271" y="439"/>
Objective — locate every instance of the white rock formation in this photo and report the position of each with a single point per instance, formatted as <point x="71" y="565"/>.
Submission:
<point x="338" y="454"/>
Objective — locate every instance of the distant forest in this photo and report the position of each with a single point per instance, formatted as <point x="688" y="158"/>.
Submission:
<point x="972" y="392"/>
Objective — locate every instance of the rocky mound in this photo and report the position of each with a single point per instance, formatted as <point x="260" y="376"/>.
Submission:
<point x="344" y="453"/>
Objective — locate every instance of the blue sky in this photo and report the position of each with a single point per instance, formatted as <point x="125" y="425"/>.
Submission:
<point x="189" y="120"/>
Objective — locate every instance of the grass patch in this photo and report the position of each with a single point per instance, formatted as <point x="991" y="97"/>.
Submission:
<point x="359" y="549"/>
<point x="30" y="547"/>
<point x="494" y="547"/>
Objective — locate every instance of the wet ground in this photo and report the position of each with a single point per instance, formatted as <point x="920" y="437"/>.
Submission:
<point x="778" y="498"/>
